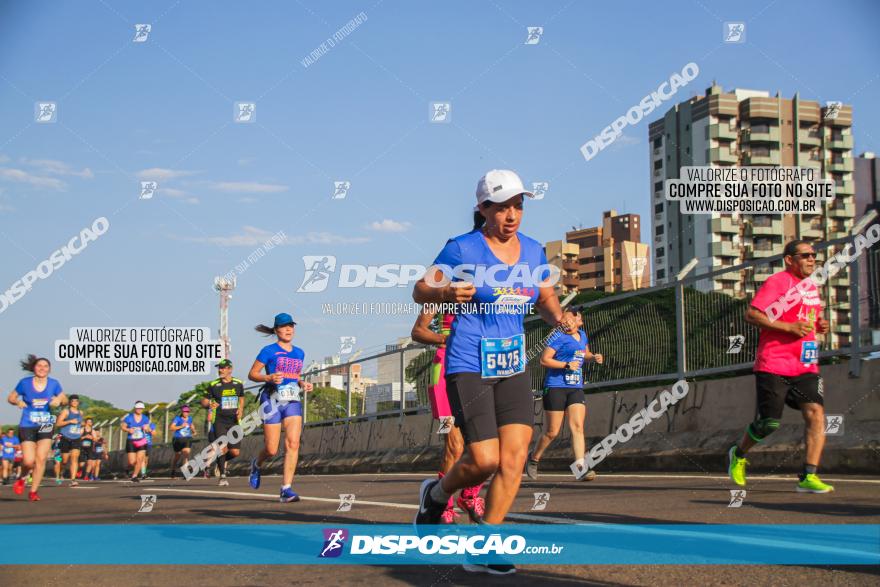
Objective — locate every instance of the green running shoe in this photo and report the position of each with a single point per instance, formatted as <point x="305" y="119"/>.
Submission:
<point x="812" y="484"/>
<point x="736" y="467"/>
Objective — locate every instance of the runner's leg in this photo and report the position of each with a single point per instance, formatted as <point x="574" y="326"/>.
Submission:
<point x="814" y="434"/>
<point x="271" y="436"/>
<point x="41" y="453"/>
<point x="550" y="432"/>
<point x="575" y="414"/>
<point x="513" y="441"/>
<point x="292" y="434"/>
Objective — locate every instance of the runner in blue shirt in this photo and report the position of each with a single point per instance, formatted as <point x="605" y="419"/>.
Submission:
<point x="564" y="359"/>
<point x="497" y="274"/>
<point x="280" y="400"/>
<point x="35" y="395"/>
<point x="183" y="431"/>
<point x="70" y="424"/>
<point x="136" y="425"/>
<point x="10" y="444"/>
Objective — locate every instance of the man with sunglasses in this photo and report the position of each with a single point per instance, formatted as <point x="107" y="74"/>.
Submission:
<point x="787" y="363"/>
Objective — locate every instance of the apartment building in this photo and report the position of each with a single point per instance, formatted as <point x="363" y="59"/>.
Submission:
<point x="867" y="184"/>
<point x="610" y="257"/>
<point x="749" y="128"/>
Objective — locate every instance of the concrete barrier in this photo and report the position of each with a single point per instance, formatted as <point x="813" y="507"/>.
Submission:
<point x="693" y="435"/>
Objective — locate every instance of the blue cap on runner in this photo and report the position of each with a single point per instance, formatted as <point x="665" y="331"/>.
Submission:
<point x="283" y="319"/>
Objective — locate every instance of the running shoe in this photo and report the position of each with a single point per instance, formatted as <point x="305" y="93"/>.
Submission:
<point x="491" y="569"/>
<point x="173" y="474"/>
<point x="429" y="511"/>
<point x="18" y="487"/>
<point x="589" y="476"/>
<point x="57" y="480"/>
<point x="223" y="482"/>
<point x="32" y="496"/>
<point x="287" y="495"/>
<point x="812" y="484"/>
<point x="736" y="467"/>
<point x="135" y="480"/>
<point x="472" y="504"/>
<point x="532" y="468"/>
<point x="448" y="516"/>
<point x="74" y="483"/>
<point x="254" y="477"/>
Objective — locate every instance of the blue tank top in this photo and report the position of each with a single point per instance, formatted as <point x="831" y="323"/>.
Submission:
<point x="73" y="430"/>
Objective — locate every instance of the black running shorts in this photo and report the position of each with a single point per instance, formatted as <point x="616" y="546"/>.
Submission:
<point x="557" y="399"/>
<point x="68" y="444"/>
<point x="481" y="406"/>
<point x="775" y="392"/>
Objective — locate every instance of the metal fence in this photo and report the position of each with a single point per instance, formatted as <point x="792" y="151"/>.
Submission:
<point x="696" y="326"/>
<point x="692" y="327"/>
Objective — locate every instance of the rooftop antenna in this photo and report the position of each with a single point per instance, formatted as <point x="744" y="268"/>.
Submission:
<point x="224" y="287"/>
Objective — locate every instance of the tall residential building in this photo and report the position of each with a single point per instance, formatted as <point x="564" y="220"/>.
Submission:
<point x="867" y="184"/>
<point x="609" y="258"/>
<point x="749" y="128"/>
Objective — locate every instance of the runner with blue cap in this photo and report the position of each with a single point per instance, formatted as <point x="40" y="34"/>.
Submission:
<point x="279" y="367"/>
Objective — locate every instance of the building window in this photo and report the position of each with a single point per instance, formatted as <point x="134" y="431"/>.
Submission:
<point x="658" y="208"/>
<point x="687" y="127"/>
<point x="687" y="150"/>
<point x="658" y="186"/>
<point x="660" y="252"/>
<point x="661" y="273"/>
<point x="658" y="142"/>
<point x="659" y="230"/>
<point x="658" y="164"/>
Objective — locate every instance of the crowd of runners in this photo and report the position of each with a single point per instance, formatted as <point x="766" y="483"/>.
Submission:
<point x="480" y="388"/>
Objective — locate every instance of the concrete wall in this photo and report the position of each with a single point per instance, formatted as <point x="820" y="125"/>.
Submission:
<point x="692" y="436"/>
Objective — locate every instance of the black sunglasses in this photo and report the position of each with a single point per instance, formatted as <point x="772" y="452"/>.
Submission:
<point x="808" y="255"/>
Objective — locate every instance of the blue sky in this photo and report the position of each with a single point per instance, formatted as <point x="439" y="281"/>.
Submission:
<point x="163" y="109"/>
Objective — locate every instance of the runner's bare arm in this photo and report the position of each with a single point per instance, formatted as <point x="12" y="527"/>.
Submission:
<point x="423" y="334"/>
<point x="256" y="373"/>
<point x="62" y="418"/>
<point x="439" y="289"/>
<point x="15" y="400"/>
<point x="761" y="320"/>
<point x="58" y="400"/>
<point x="588" y="356"/>
<point x="548" y="361"/>
<point x="550" y="310"/>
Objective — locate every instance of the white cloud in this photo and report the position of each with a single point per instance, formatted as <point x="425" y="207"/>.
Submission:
<point x="55" y="167"/>
<point x="388" y="225"/>
<point x="163" y="174"/>
<point x="21" y="176"/>
<point x="247" y="186"/>
<point x="251" y="236"/>
<point x="173" y="192"/>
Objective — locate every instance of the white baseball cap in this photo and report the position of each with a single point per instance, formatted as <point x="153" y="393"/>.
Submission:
<point x="499" y="185"/>
<point x="139" y="405"/>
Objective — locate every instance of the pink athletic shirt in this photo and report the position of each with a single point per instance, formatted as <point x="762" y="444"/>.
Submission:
<point x="781" y="353"/>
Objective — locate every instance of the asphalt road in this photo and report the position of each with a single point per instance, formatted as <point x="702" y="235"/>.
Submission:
<point x="390" y="498"/>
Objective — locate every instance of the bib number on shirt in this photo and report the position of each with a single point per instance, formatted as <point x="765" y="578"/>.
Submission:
<point x="809" y="352"/>
<point x="137" y="433"/>
<point x="289" y="392"/>
<point x="502" y="357"/>
<point x="185" y="431"/>
<point x="74" y="429"/>
<point x="229" y="403"/>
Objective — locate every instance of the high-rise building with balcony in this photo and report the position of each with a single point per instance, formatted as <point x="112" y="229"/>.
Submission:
<point x="748" y="128"/>
<point x="867" y="183"/>
<point x="609" y="258"/>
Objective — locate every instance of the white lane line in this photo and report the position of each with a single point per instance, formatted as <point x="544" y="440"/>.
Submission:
<point x="402" y="506"/>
